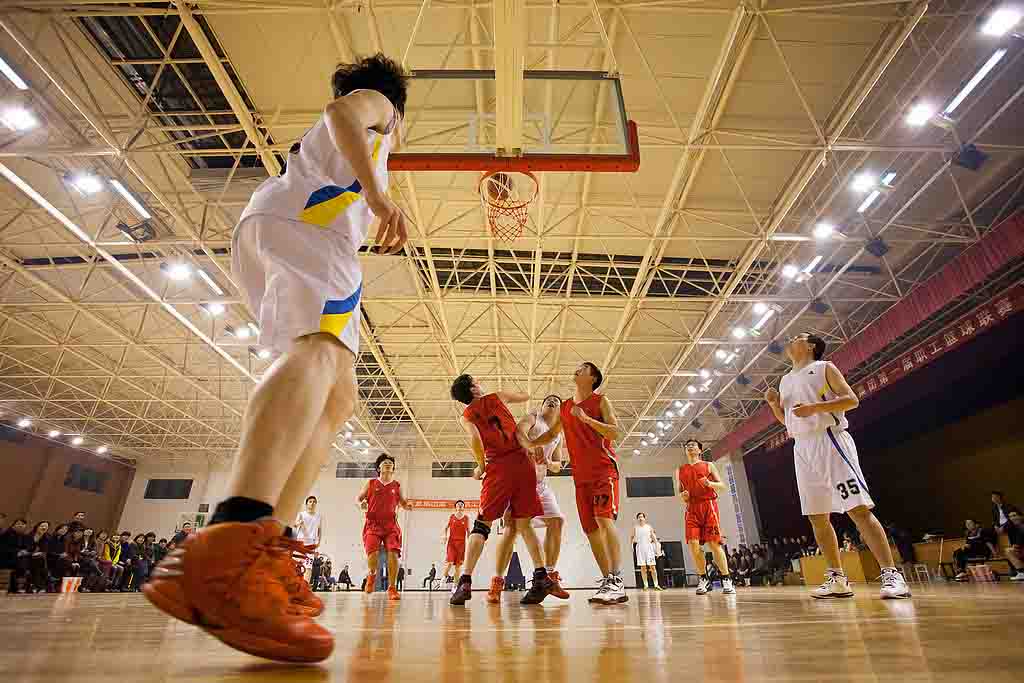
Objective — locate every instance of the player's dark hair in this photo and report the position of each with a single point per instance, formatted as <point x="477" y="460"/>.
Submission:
<point x="462" y="389"/>
<point x="381" y="458"/>
<point x="460" y="501"/>
<point x="557" y="398"/>
<point x="311" y="498"/>
<point x="376" y="72"/>
<point x="696" y="441"/>
<point x="998" y="493"/>
<point x="639" y="514"/>
<point x="819" y="346"/>
<point x="595" y="373"/>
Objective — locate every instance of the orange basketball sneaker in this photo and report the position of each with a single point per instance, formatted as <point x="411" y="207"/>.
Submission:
<point x="368" y="584"/>
<point x="494" y="592"/>
<point x="232" y="580"/>
<point x="300" y="590"/>
<point x="393" y="593"/>
<point x="556" y="586"/>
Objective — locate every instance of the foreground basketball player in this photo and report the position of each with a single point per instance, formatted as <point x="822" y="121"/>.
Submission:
<point x="535" y="423"/>
<point x="295" y="257"/>
<point x="380" y="499"/>
<point x="812" y="402"/>
<point x="454" y="541"/>
<point x="510" y="480"/>
<point x="589" y="424"/>
<point x="699" y="484"/>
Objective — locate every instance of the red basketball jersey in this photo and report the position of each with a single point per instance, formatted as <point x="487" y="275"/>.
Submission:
<point x="458" y="528"/>
<point x="496" y="425"/>
<point x="689" y="479"/>
<point x="382" y="500"/>
<point x="590" y="454"/>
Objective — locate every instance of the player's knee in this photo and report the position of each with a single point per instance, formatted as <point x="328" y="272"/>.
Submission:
<point x="860" y="515"/>
<point x="482" y="528"/>
<point x="555" y="523"/>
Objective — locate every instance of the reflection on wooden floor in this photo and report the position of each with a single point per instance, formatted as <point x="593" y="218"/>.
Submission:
<point x="957" y="632"/>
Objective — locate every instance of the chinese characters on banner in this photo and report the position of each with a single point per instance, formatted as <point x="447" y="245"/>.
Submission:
<point x="731" y="478"/>
<point x="440" y="504"/>
<point x="962" y="330"/>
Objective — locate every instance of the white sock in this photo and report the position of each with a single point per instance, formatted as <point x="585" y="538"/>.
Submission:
<point x="550" y="568"/>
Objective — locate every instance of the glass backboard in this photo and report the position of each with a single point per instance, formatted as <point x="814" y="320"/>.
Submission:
<point x="571" y="121"/>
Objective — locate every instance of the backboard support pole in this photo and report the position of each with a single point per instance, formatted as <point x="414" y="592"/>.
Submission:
<point x="509" y="62"/>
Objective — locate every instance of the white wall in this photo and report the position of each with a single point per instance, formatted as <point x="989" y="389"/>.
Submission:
<point x="422" y="529"/>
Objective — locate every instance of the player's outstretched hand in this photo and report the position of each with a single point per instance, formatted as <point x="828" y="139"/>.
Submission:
<point x="772" y="395"/>
<point x="478" y="473"/>
<point x="392" y="233"/>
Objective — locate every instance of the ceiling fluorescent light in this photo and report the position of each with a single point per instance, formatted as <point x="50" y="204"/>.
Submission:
<point x="866" y="204"/>
<point x="47" y="206"/>
<point x="1001" y="21"/>
<point x="864" y="182"/>
<point x="764" y="319"/>
<point x="12" y="75"/>
<point x="685" y="373"/>
<point x="18" y="119"/>
<point x="210" y="282"/>
<point x="130" y="198"/>
<point x="788" y="237"/>
<point x="996" y="57"/>
<point x="813" y="264"/>
<point x="888" y="178"/>
<point x="789" y="271"/>
<point x="920" y="114"/>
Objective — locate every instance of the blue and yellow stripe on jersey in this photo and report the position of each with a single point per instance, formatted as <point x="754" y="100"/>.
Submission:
<point x="330" y="201"/>
<point x="337" y="313"/>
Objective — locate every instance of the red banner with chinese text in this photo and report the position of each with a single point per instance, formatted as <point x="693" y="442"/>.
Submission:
<point x="441" y="503"/>
<point x="978" y="321"/>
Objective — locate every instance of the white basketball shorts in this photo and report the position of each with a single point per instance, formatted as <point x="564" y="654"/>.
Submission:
<point x="828" y="473"/>
<point x="297" y="279"/>
<point x="646" y="555"/>
<point x="549" y="503"/>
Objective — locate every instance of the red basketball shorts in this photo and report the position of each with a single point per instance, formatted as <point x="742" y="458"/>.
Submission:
<point x="597" y="498"/>
<point x="456" y="552"/>
<point x="702" y="522"/>
<point x="388" y="533"/>
<point x="510" y="483"/>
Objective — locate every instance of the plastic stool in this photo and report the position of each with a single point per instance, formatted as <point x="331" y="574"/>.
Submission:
<point x="922" y="570"/>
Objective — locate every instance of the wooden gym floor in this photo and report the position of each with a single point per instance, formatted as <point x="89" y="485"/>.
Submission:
<point x="947" y="632"/>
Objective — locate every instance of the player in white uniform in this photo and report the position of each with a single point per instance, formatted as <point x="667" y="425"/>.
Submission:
<point x="549" y="459"/>
<point x="295" y="259"/>
<point x="308" y="530"/>
<point x="812" y="402"/>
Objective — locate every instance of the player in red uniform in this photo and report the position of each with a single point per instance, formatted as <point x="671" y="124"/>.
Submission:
<point x="454" y="540"/>
<point x="699" y="484"/>
<point x="379" y="499"/>
<point x="589" y="424"/>
<point x="509" y="476"/>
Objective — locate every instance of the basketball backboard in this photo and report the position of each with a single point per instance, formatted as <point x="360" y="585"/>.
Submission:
<point x="567" y="121"/>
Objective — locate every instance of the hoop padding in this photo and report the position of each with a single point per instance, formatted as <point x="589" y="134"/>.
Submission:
<point x="508" y="210"/>
<point x="540" y="163"/>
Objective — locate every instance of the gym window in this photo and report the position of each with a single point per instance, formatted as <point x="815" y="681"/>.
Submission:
<point x="86" y="479"/>
<point x="650" y="487"/>
<point x="355" y="470"/>
<point x="168" y="489"/>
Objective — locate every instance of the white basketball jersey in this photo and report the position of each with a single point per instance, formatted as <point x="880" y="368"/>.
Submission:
<point x="310" y="529"/>
<point x="538" y="429"/>
<point x="318" y="185"/>
<point x="809" y="385"/>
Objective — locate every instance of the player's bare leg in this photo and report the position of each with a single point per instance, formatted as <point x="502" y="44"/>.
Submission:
<point x="722" y="562"/>
<point x="393" y="593"/>
<point x="611" y="543"/>
<point x="643" y="576"/>
<point x="540" y="588"/>
<point x="701" y="565"/>
<point x="372" y="564"/>
<point x="836" y="584"/>
<point x="475" y="546"/>
<point x="553" y="540"/>
<point x="894" y="584"/>
<point x="502" y="558"/>
<point x="600" y="550"/>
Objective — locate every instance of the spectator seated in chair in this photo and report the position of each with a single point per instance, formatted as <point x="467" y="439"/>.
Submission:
<point x="1015" y="552"/>
<point x="1001" y="512"/>
<point x="980" y="545"/>
<point x="344" y="578"/>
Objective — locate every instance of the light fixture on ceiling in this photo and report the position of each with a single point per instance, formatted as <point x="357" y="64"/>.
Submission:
<point x="101" y="450"/>
<point x="77" y="441"/>
<point x="86" y="183"/>
<point x="1001" y="21"/>
<point x="130" y="198"/>
<point x="871" y="198"/>
<point x="12" y="75"/>
<point x="978" y="77"/>
<point x="654" y="440"/>
<point x="809" y="268"/>
<point x="214" y="308"/>
<point x="263" y="354"/>
<point x="643" y="442"/>
<point x="764" y="319"/>
<point x="348" y="425"/>
<point x="678" y="404"/>
<point x="636" y="452"/>
<point x="240" y="332"/>
<point x="177" y="270"/>
<point x="720" y="354"/>
<point x="661" y="425"/>
<point x="252" y="328"/>
<point x="705" y="373"/>
<point x="18" y="119"/>
<point x="863" y="182"/>
<point x="739" y="332"/>
<point x="24" y="422"/>
<point x="920" y="114"/>
<point x="888" y="179"/>
<point x="823" y="231"/>
<point x="669" y="414"/>
<point x="686" y="407"/>
<point x="691" y="389"/>
<point x="789" y="271"/>
<point x="650" y="435"/>
<point x="759" y="309"/>
<point x="210" y="282"/>
<point x="54" y="433"/>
